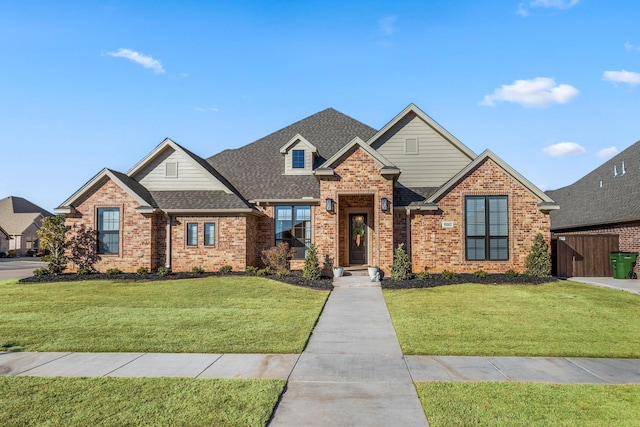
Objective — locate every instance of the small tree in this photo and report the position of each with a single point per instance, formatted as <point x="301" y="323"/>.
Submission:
<point x="311" y="270"/>
<point x="538" y="261"/>
<point x="52" y="236"/>
<point x="401" y="268"/>
<point x="278" y="256"/>
<point x="84" y="249"/>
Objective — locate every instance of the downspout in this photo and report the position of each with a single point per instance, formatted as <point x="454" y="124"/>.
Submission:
<point x="168" y="245"/>
<point x="408" y="232"/>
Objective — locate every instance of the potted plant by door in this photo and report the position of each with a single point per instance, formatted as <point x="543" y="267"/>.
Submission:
<point x="338" y="271"/>
<point x="372" y="270"/>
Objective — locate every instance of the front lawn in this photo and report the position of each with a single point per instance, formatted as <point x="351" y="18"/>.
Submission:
<point x="137" y="401"/>
<point x="208" y="315"/>
<point x="515" y="404"/>
<point x="554" y="319"/>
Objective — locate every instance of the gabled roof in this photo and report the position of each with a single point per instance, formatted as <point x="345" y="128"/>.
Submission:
<point x="387" y="168"/>
<point x="257" y="169"/>
<point x="129" y="185"/>
<point x="545" y="204"/>
<point x="17" y="214"/>
<point x="412" y="109"/>
<point x="4" y="234"/>
<point x="586" y="203"/>
<point x="295" y="139"/>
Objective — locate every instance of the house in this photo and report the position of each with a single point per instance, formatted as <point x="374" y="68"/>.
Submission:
<point x="20" y="221"/>
<point x="600" y="214"/>
<point x="354" y="191"/>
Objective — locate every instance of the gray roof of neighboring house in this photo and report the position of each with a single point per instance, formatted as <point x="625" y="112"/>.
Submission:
<point x="256" y="170"/>
<point x="586" y="203"/>
<point x="197" y="199"/>
<point x="17" y="214"/>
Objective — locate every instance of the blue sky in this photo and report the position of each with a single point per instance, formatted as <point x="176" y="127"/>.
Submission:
<point x="551" y="86"/>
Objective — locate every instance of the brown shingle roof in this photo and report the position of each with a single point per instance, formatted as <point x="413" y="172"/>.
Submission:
<point x="17" y="214"/>
<point x="585" y="203"/>
<point x="257" y="169"/>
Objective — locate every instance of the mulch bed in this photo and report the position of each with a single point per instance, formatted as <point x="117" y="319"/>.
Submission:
<point x="295" y="278"/>
<point x="491" y="279"/>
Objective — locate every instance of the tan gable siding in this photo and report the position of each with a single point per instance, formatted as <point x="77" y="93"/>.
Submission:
<point x="436" y="161"/>
<point x="190" y="176"/>
<point x="308" y="160"/>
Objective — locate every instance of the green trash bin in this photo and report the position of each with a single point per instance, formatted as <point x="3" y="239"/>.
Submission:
<point x="622" y="263"/>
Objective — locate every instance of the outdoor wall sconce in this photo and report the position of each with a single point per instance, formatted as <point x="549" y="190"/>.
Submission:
<point x="384" y="204"/>
<point x="329" y="205"/>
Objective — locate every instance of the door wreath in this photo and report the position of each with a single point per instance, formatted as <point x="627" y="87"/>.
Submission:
<point x="358" y="234"/>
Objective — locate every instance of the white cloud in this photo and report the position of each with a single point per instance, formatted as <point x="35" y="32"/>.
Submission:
<point x="387" y="24"/>
<point x="631" y="46"/>
<point x="535" y="92"/>
<point x="522" y="10"/>
<point x="623" y="76"/>
<point x="139" y="58"/>
<point x="564" y="149"/>
<point x="606" y="153"/>
<point x="556" y="4"/>
<point x="207" y="109"/>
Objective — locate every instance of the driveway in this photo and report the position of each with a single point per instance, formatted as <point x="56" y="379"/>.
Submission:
<point x="18" y="268"/>
<point x="627" y="285"/>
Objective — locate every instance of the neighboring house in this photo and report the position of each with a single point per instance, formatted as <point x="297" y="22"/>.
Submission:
<point x="20" y="221"/>
<point x="354" y="191"/>
<point x="600" y="214"/>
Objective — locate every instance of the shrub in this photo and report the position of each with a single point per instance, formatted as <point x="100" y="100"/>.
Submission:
<point x="480" y="274"/>
<point x="401" y="268"/>
<point x="263" y="272"/>
<point x="311" y="269"/>
<point x="31" y="253"/>
<point x="278" y="256"/>
<point x="511" y="273"/>
<point x="52" y="236"/>
<point x="3" y="254"/>
<point x="84" y="251"/>
<point x="83" y="271"/>
<point x="283" y="273"/>
<point x="43" y="271"/>
<point x="251" y="270"/>
<point x="225" y="269"/>
<point x="142" y="271"/>
<point x="12" y="253"/>
<point x="163" y="271"/>
<point x="423" y="275"/>
<point x="448" y="275"/>
<point x="197" y="270"/>
<point x="112" y="271"/>
<point x="538" y="261"/>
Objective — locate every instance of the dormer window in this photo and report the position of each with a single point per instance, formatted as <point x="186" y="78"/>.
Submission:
<point x="297" y="159"/>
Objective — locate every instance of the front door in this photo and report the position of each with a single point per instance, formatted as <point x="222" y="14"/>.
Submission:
<point x="357" y="239"/>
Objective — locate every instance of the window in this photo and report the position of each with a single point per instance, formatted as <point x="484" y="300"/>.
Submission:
<point x="192" y="234"/>
<point x="209" y="234"/>
<point x="487" y="231"/>
<point x="108" y="231"/>
<point x="293" y="226"/>
<point x="297" y="159"/>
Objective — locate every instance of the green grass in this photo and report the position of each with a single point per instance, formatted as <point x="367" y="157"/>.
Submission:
<point x="208" y="315"/>
<point x="515" y="404"/>
<point x="137" y="401"/>
<point x="554" y="319"/>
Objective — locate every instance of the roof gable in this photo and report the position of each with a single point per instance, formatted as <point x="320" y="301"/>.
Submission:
<point x="545" y="204"/>
<point x="297" y="139"/>
<point x="17" y="214"/>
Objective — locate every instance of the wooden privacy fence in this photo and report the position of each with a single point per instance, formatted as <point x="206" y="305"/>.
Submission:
<point x="583" y="255"/>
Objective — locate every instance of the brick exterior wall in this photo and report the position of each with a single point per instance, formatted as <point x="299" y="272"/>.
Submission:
<point x="136" y="230"/>
<point x="230" y="244"/>
<point x="357" y="181"/>
<point x="436" y="249"/>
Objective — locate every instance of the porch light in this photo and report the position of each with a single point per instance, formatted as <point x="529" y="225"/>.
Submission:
<point x="329" y="205"/>
<point x="384" y="204"/>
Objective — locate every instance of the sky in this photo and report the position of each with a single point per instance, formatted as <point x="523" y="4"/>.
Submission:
<point x="550" y="86"/>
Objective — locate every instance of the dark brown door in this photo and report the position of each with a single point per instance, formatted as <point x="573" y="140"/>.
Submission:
<point x="357" y="239"/>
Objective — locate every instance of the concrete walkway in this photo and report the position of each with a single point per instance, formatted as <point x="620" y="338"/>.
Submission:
<point x="627" y="285"/>
<point x="352" y="371"/>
